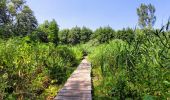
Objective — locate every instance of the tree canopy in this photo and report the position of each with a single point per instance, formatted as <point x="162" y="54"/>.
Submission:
<point x="16" y="18"/>
<point x="146" y="15"/>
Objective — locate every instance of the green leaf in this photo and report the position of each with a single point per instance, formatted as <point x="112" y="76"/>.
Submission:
<point x="148" y="97"/>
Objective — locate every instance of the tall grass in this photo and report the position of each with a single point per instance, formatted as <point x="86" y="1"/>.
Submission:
<point x="133" y="70"/>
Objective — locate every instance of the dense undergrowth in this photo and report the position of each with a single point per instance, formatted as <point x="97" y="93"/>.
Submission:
<point x="132" y="66"/>
<point x="136" y="69"/>
<point x="34" y="70"/>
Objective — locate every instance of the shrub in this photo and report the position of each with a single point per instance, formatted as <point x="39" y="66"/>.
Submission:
<point x="29" y="69"/>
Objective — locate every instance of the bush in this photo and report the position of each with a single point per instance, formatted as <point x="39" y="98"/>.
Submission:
<point x="78" y="52"/>
<point x="28" y="70"/>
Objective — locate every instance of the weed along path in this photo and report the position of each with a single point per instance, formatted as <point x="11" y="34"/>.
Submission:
<point x="78" y="86"/>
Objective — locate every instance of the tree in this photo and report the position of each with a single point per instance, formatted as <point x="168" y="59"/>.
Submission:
<point x="54" y="29"/>
<point x="146" y="16"/>
<point x="63" y="36"/>
<point x="5" y="22"/>
<point x="51" y="29"/>
<point x="104" y="34"/>
<point x="16" y="18"/>
<point x="74" y="35"/>
<point x="4" y="18"/>
<point x="26" y="22"/>
<point x="127" y="35"/>
<point x="85" y="34"/>
<point x="39" y="36"/>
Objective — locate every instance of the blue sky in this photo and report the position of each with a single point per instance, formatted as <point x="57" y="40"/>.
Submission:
<point x="95" y="13"/>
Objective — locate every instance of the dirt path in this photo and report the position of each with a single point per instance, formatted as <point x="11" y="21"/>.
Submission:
<point x="78" y="86"/>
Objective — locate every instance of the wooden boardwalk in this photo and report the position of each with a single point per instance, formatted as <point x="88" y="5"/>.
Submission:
<point x="78" y="86"/>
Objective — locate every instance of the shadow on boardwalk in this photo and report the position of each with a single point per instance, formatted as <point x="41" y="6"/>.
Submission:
<point x="78" y="86"/>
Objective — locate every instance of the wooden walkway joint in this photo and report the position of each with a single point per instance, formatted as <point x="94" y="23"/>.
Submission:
<point x="78" y="86"/>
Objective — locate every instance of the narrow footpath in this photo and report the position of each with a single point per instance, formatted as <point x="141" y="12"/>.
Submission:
<point x="78" y="86"/>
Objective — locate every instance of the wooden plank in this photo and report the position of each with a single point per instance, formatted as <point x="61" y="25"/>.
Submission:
<point x="74" y="94"/>
<point x="72" y="98"/>
<point x="78" y="86"/>
<point x="80" y="91"/>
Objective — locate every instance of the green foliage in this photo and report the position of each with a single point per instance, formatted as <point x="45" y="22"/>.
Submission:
<point x="74" y="35"/>
<point x="127" y="35"/>
<point x="26" y="22"/>
<point x="51" y="30"/>
<point x="29" y="71"/>
<point x="78" y="52"/>
<point x="135" y="70"/>
<point x="146" y="15"/>
<point x="39" y="36"/>
<point x="85" y="34"/>
<point x="104" y="34"/>
<point x="127" y="64"/>
<point x="63" y="36"/>
<point x="17" y="19"/>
